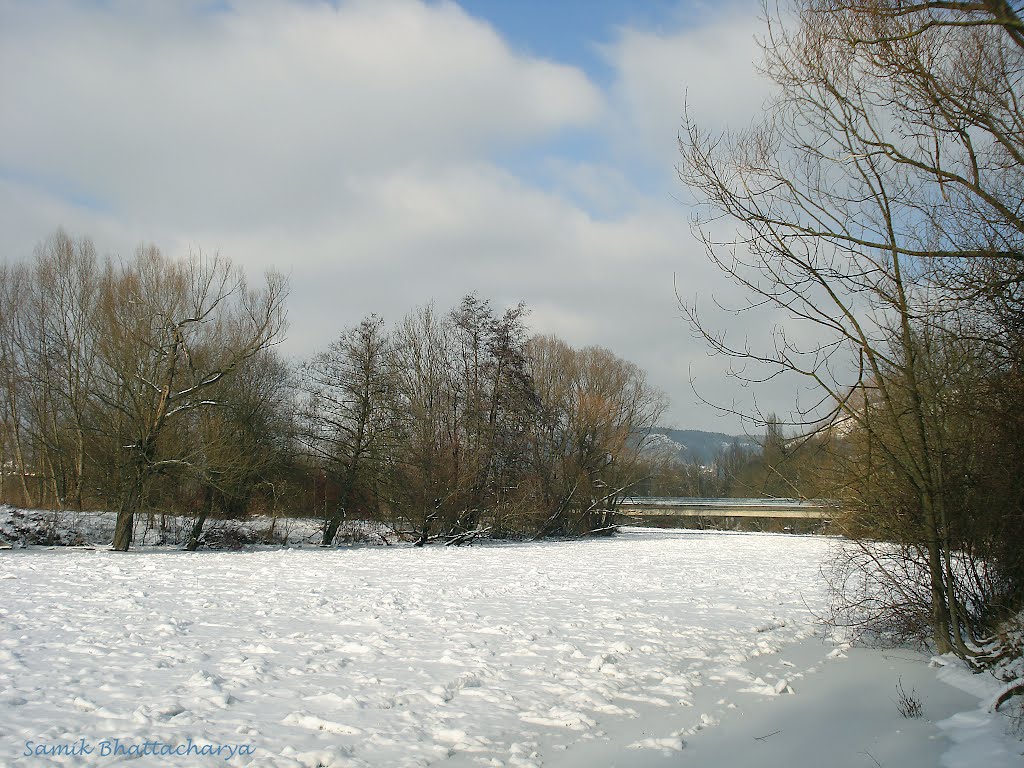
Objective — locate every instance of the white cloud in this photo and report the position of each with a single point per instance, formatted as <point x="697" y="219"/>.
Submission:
<point x="709" y="68"/>
<point x="264" y="111"/>
<point x="352" y="147"/>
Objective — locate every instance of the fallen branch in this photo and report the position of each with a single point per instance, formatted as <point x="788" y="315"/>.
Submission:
<point x="466" y="537"/>
<point x="1016" y="689"/>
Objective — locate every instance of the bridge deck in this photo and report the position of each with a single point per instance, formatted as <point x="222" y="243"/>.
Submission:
<point x="784" y="509"/>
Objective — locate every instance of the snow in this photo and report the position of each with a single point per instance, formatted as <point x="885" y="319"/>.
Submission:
<point x="977" y="736"/>
<point x="94" y="528"/>
<point x="650" y="648"/>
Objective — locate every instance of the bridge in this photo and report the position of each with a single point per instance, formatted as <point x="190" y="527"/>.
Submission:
<point x="775" y="514"/>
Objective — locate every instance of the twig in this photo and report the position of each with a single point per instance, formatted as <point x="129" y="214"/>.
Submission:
<point x="865" y="752"/>
<point x="766" y="736"/>
<point x="917" y="660"/>
<point x="909" y="705"/>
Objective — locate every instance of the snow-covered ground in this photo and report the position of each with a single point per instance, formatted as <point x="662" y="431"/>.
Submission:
<point x="648" y="649"/>
<point x="22" y="527"/>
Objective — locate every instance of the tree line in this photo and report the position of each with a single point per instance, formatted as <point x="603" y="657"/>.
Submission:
<point x="153" y="385"/>
<point x="878" y="212"/>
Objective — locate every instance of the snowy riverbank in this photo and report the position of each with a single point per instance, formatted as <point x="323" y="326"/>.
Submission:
<point x="648" y="649"/>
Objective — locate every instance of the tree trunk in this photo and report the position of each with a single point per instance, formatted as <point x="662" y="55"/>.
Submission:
<point x="197" y="531"/>
<point x="79" y="467"/>
<point x="129" y="506"/>
<point x="123" y="529"/>
<point x="428" y="521"/>
<point x="200" y="521"/>
<point x="19" y="456"/>
<point x="332" y="527"/>
<point x="940" y="609"/>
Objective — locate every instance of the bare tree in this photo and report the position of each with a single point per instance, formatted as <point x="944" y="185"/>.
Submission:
<point x="170" y="331"/>
<point x="14" y="283"/>
<point x="347" y="415"/>
<point x="887" y="165"/>
<point x="492" y="368"/>
<point x="239" y="448"/>
<point x="425" y="425"/>
<point x="47" y="343"/>
<point x="596" y="410"/>
<point x="430" y="474"/>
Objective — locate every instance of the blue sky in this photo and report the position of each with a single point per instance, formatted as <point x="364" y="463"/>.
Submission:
<point x="574" y="31"/>
<point x="388" y="153"/>
<point x="584" y="34"/>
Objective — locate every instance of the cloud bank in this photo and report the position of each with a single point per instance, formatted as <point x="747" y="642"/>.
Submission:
<point x="367" y="149"/>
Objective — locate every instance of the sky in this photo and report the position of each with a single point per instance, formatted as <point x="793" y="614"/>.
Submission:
<point x="388" y="153"/>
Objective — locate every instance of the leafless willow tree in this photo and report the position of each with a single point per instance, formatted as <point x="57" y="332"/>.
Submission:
<point x="878" y="205"/>
<point x="596" y="410"/>
<point x="169" y="332"/>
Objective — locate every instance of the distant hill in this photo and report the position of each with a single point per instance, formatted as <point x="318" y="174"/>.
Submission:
<point x="694" y="445"/>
